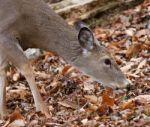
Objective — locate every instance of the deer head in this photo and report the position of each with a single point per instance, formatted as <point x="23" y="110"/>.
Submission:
<point x="97" y="62"/>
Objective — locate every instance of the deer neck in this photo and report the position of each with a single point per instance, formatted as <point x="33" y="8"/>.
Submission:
<point x="70" y="51"/>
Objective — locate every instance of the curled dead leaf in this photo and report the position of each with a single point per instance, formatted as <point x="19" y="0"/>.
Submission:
<point x="16" y="115"/>
<point x="15" y="119"/>
<point x="67" y="70"/>
<point x="133" y="50"/>
<point x="103" y="110"/>
<point x="128" y="105"/>
<point x="68" y="104"/>
<point x="93" y="99"/>
<point x="106" y="99"/>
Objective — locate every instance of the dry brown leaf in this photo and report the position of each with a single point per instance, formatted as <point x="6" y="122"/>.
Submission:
<point x="130" y="74"/>
<point x="42" y="90"/>
<point x="130" y="104"/>
<point x="17" y="123"/>
<point x="102" y="36"/>
<point x="68" y="104"/>
<point x="67" y="69"/>
<point x="141" y="65"/>
<point x="21" y="93"/>
<point x="15" y="119"/>
<point x="103" y="109"/>
<point x="128" y="114"/>
<point x="133" y="50"/>
<point x="88" y="86"/>
<point x="43" y="74"/>
<point x="127" y="67"/>
<point x="135" y="39"/>
<point x="147" y="109"/>
<point x="16" y="115"/>
<point x="93" y="107"/>
<point x="106" y="99"/>
<point x="146" y="45"/>
<point x="130" y="32"/>
<point x="143" y="97"/>
<point x="49" y="54"/>
<point x="89" y="123"/>
<point x="56" y="87"/>
<point x="93" y="99"/>
<point x="116" y="44"/>
<point x="142" y="32"/>
<point x="125" y="20"/>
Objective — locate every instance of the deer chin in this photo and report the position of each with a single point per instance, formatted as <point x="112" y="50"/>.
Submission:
<point x="126" y="83"/>
<point x="104" y="84"/>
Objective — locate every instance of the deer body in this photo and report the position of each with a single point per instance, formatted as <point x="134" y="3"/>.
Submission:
<point x="32" y="24"/>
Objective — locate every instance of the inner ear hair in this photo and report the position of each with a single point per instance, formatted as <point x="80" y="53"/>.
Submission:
<point x="85" y="29"/>
<point x="86" y="38"/>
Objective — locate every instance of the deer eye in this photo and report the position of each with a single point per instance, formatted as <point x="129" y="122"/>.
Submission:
<point x="107" y="61"/>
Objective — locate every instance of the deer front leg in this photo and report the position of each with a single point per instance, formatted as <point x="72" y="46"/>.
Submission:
<point x="27" y="71"/>
<point x="3" y="83"/>
<point x="16" y="56"/>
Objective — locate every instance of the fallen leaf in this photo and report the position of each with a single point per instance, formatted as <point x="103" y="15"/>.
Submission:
<point x="88" y="86"/>
<point x="133" y="50"/>
<point x="17" y="123"/>
<point x="127" y="67"/>
<point x="142" y="32"/>
<point x="106" y="99"/>
<point x="147" y="109"/>
<point x="130" y="104"/>
<point x="67" y="70"/>
<point x="68" y="104"/>
<point x="93" y="99"/>
<point x="16" y="115"/>
<point x="16" y="119"/>
<point x="130" y="32"/>
<point x="84" y="121"/>
<point x="141" y="65"/>
<point x="141" y="97"/>
<point x="103" y="110"/>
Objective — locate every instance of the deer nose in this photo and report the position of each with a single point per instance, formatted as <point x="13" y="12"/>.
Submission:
<point x="129" y="85"/>
<point x="126" y="86"/>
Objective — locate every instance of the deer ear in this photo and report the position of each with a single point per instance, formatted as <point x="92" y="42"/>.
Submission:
<point x="86" y="38"/>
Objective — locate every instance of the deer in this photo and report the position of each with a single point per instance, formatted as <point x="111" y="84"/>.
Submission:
<point x="33" y="24"/>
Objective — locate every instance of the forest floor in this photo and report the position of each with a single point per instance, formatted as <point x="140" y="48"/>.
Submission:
<point x="74" y="99"/>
